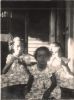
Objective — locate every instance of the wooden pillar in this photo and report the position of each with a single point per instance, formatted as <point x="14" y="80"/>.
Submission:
<point x="26" y="32"/>
<point x="52" y="25"/>
<point x="70" y="18"/>
<point x="69" y="36"/>
<point x="10" y="21"/>
<point x="67" y="26"/>
<point x="58" y="27"/>
<point x="73" y="20"/>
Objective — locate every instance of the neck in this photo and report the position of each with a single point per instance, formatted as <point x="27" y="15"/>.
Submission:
<point x="41" y="67"/>
<point x="17" y="55"/>
<point x="56" y="55"/>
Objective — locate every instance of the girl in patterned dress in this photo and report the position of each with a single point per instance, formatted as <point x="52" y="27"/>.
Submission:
<point x="15" y="71"/>
<point x="41" y="73"/>
<point x="65" y="78"/>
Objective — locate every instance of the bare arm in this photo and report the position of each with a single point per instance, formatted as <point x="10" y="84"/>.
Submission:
<point x="69" y="71"/>
<point x="6" y="68"/>
<point x="67" y="67"/>
<point x="8" y="65"/>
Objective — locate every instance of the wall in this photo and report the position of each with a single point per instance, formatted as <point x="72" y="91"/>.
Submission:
<point x="38" y="34"/>
<point x="70" y="33"/>
<point x="46" y="26"/>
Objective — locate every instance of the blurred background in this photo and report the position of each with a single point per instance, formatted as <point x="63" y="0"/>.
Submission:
<point x="38" y="24"/>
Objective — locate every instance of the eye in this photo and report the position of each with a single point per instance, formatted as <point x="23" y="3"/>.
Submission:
<point x="39" y="56"/>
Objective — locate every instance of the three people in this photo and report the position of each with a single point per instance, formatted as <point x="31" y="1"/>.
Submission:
<point x="47" y="73"/>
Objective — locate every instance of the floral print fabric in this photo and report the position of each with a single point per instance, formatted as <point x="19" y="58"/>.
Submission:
<point x="16" y="74"/>
<point x="41" y="83"/>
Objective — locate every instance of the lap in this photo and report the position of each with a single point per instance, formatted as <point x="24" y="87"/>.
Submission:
<point x="15" y="91"/>
<point x="67" y="93"/>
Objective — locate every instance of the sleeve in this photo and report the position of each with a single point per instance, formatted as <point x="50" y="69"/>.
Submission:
<point x="9" y="59"/>
<point x="27" y="59"/>
<point x="54" y="66"/>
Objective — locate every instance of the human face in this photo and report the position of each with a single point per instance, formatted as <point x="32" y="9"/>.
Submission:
<point x="17" y="48"/>
<point x="42" y="58"/>
<point x="54" y="48"/>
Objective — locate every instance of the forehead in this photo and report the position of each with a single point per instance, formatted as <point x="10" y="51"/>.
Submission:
<point x="42" y="52"/>
<point x="16" y="39"/>
<point x="18" y="43"/>
<point x="53" y="45"/>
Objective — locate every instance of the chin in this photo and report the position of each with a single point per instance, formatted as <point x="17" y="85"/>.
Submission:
<point x="43" y="64"/>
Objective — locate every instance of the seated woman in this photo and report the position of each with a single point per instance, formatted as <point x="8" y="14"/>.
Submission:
<point x="42" y="74"/>
<point x="15" y="75"/>
<point x="65" y="78"/>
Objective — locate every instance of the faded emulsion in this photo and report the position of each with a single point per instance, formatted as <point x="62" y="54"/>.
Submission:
<point x="29" y="30"/>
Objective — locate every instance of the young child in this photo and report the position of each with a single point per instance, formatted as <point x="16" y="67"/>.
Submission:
<point x="15" y="71"/>
<point x="63" y="74"/>
<point x="41" y="75"/>
<point x="57" y="57"/>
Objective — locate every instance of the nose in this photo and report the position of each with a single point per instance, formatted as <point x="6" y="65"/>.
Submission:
<point x="43" y="58"/>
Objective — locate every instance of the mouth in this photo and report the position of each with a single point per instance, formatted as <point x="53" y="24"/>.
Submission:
<point x="43" y="63"/>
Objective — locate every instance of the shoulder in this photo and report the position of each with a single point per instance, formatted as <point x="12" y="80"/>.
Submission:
<point x="54" y="64"/>
<point x="27" y="58"/>
<point x="33" y="69"/>
<point x="54" y="61"/>
<point x="9" y="56"/>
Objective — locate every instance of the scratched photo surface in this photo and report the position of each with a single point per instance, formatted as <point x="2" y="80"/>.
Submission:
<point x="37" y="50"/>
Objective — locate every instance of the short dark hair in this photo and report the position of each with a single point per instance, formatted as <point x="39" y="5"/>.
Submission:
<point x="43" y="48"/>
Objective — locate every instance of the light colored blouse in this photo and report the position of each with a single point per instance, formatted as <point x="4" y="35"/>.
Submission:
<point x="16" y="74"/>
<point x="41" y="83"/>
<point x="63" y="77"/>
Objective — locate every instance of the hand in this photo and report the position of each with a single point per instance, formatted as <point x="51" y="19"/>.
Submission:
<point x="65" y="61"/>
<point x="27" y="59"/>
<point x="12" y="59"/>
<point x="20" y="60"/>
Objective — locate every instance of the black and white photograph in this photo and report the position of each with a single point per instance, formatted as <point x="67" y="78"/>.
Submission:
<point x="37" y="43"/>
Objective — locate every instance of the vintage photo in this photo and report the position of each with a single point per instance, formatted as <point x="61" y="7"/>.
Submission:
<point x="37" y="43"/>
